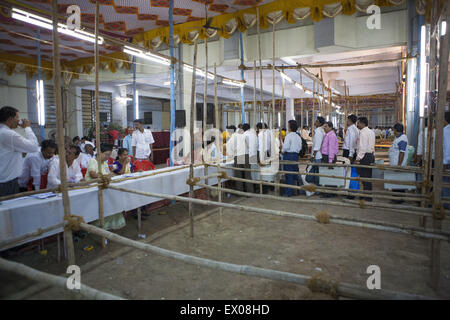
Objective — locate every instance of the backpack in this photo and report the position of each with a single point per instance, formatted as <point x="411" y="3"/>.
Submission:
<point x="304" y="149"/>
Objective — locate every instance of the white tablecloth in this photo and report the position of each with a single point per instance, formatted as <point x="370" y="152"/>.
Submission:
<point x="23" y="216"/>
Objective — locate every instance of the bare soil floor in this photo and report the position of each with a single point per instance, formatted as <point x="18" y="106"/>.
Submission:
<point x="340" y="253"/>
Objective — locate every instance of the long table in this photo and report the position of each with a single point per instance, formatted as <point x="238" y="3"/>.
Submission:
<point x="22" y="216"/>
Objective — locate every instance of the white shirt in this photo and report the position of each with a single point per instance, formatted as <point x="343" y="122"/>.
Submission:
<point x="292" y="143"/>
<point x="419" y="143"/>
<point x="34" y="166"/>
<point x="351" y="137"/>
<point x="142" y="142"/>
<point x="12" y="145"/>
<point x="447" y="144"/>
<point x="366" y="143"/>
<point x="252" y="142"/>
<point x="83" y="159"/>
<point x="319" y="134"/>
<point x="236" y="145"/>
<point x="264" y="141"/>
<point x="399" y="145"/>
<point x="54" y="178"/>
<point x="305" y="134"/>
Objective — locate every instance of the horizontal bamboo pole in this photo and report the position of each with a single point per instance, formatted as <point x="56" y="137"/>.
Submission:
<point x="352" y="204"/>
<point x="16" y="241"/>
<point x="342" y="289"/>
<point x="336" y="191"/>
<point x="395" y="228"/>
<point x="56" y="281"/>
<point x="400" y="182"/>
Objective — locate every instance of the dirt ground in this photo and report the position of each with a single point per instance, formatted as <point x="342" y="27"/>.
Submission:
<point x="340" y="253"/>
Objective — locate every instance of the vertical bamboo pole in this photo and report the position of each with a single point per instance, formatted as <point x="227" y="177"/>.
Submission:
<point x="219" y="181"/>
<point x="301" y="114"/>
<point x="329" y="101"/>
<point x="313" y="108"/>
<point x="191" y="129"/>
<point x="273" y="74"/>
<point x="205" y="109"/>
<point x="345" y="106"/>
<point x="439" y="156"/>
<point x="97" y="120"/>
<point x="261" y="104"/>
<point x="60" y="132"/>
<point x="283" y="123"/>
<point x="254" y="94"/>
<point x="172" y="83"/>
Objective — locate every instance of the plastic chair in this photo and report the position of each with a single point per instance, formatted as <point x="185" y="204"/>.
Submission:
<point x="144" y="165"/>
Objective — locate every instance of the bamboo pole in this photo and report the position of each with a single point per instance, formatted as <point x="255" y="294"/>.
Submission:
<point x="205" y="104"/>
<point x="56" y="281"/>
<point x="60" y="131"/>
<point x="97" y="120"/>
<point x="313" y="109"/>
<point x="382" y="226"/>
<point x="254" y="96"/>
<point x="345" y="203"/>
<point x="283" y="123"/>
<point x="273" y="75"/>
<point x="219" y="182"/>
<point x="17" y="241"/>
<point x="342" y="289"/>
<point x="191" y="129"/>
<point x="439" y="156"/>
<point x="261" y="90"/>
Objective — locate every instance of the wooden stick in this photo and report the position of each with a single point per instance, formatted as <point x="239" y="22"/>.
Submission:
<point x="391" y="227"/>
<point x="101" y="210"/>
<point x="343" y="289"/>
<point x="17" y="241"/>
<point x="438" y="180"/>
<point x="205" y="104"/>
<point x="344" y="203"/>
<point x="191" y="128"/>
<point x="273" y="75"/>
<point x="56" y="281"/>
<point x="261" y="90"/>
<point x="254" y="96"/>
<point x="60" y="130"/>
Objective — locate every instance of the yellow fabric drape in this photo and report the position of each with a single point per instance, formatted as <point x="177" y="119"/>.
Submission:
<point x="287" y="8"/>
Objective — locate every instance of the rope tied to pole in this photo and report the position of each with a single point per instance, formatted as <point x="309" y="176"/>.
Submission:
<point x="74" y="222"/>
<point x="323" y="217"/>
<point x="362" y="204"/>
<point x="317" y="284"/>
<point x="438" y="211"/>
<point x="105" y="182"/>
<point x="192" y="181"/>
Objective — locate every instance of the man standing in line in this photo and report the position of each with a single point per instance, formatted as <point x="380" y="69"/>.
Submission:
<point x="142" y="140"/>
<point x="365" y="152"/>
<point x="127" y="140"/>
<point x="12" y="145"/>
<point x="330" y="145"/>
<point x="319" y="135"/>
<point x="351" y="137"/>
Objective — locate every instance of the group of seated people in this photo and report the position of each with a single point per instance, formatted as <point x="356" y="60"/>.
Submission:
<point x="41" y="170"/>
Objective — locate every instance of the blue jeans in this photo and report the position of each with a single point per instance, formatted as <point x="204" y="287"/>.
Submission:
<point x="446" y="191"/>
<point x="290" y="156"/>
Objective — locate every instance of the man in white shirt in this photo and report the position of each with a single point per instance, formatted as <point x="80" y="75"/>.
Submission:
<point x="250" y="156"/>
<point x="420" y="143"/>
<point x="85" y="157"/>
<point x="319" y="135"/>
<point x="36" y="164"/>
<point x="141" y="141"/>
<point x="291" y="147"/>
<point x="365" y="152"/>
<point x="73" y="169"/>
<point x="305" y="134"/>
<point x="351" y="137"/>
<point x="12" y="145"/>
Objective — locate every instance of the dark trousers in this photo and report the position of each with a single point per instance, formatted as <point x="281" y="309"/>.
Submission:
<point x="9" y="188"/>
<point x="325" y="158"/>
<point x="346" y="154"/>
<point x="290" y="178"/>
<point x="368" y="159"/>
<point x="243" y="162"/>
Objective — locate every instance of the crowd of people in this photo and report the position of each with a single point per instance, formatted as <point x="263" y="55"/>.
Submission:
<point x="26" y="165"/>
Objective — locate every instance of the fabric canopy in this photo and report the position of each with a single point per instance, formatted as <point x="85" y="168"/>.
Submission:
<point x="273" y="12"/>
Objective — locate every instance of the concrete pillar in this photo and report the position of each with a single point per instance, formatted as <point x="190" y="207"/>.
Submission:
<point x="290" y="115"/>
